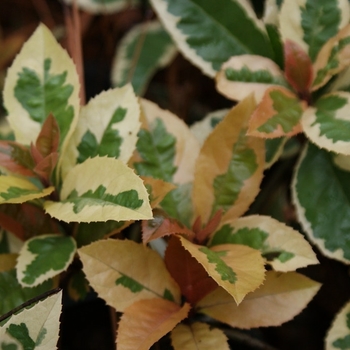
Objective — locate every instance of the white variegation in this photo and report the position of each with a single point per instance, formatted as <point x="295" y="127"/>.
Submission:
<point x="271" y="12"/>
<point x="103" y="6"/>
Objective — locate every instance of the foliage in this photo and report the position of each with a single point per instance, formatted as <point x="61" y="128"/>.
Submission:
<point x="75" y="178"/>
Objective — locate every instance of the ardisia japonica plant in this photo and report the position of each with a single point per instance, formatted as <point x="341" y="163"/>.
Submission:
<point x="68" y="188"/>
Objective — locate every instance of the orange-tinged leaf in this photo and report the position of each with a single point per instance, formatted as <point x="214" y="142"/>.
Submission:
<point x="278" y="300"/>
<point x="237" y="268"/>
<point x="7" y="261"/>
<point x="198" y="336"/>
<point x="278" y="114"/>
<point x="230" y="166"/>
<point x="202" y="233"/>
<point x="297" y="67"/>
<point x="45" y="167"/>
<point x="146" y="321"/>
<point x="123" y="272"/>
<point x="161" y="226"/>
<point x="157" y="189"/>
<point x="190" y="275"/>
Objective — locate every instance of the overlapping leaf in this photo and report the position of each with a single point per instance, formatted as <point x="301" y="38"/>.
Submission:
<point x="230" y="166"/>
<point x="34" y="88"/>
<point x="144" y="49"/>
<point x="123" y="272"/>
<point x="44" y="257"/>
<point x="310" y="23"/>
<point x="198" y="336"/>
<point x="146" y="321"/>
<point x="327" y="223"/>
<point x="278" y="114"/>
<point x="101" y="189"/>
<point x="283" y="248"/>
<point x="112" y="134"/>
<point x="245" y="74"/>
<point x="18" y="190"/>
<point x="338" y="336"/>
<point x="237" y="268"/>
<point x="33" y="328"/>
<point x="278" y="300"/>
<point x="193" y="25"/>
<point x="327" y="123"/>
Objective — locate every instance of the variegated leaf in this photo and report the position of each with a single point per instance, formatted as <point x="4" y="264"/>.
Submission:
<point x="103" y="6"/>
<point x="327" y="123"/>
<point x="333" y="58"/>
<point x="12" y="294"/>
<point x="39" y="85"/>
<point x="167" y="150"/>
<point x="101" y="189"/>
<point x="144" y="49"/>
<point x="274" y="149"/>
<point x="278" y="114"/>
<point x="113" y="133"/>
<point x="338" y="336"/>
<point x="310" y="23"/>
<point x="246" y="74"/>
<point x="144" y="322"/>
<point x="321" y="195"/>
<point x="36" y="327"/>
<point x="193" y="24"/>
<point x="198" y="336"/>
<point x="271" y="11"/>
<point x="44" y="257"/>
<point x="283" y="248"/>
<point x="18" y="190"/>
<point x="232" y="180"/>
<point x="137" y="273"/>
<point x="236" y="268"/>
<point x="278" y="300"/>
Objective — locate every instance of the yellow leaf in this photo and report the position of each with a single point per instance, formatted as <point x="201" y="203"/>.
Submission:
<point x="123" y="272"/>
<point x="237" y="268"/>
<point x="278" y="300"/>
<point x="146" y="321"/>
<point x="7" y="261"/>
<point x="158" y="189"/>
<point x="198" y="336"/>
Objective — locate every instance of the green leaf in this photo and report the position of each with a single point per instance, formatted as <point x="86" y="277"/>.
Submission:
<point x="274" y="148"/>
<point x="44" y="257"/>
<point x="194" y="23"/>
<point x="326" y="223"/>
<point x="313" y="22"/>
<point x="110" y="191"/>
<point x="154" y="49"/>
<point x="129" y="283"/>
<point x="12" y="294"/>
<point x="157" y="149"/>
<point x="327" y="124"/>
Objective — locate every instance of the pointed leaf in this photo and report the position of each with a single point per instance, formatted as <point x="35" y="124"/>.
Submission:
<point x="103" y="6"/>
<point x="48" y="138"/>
<point x="333" y="58"/>
<point x="198" y="336"/>
<point x="236" y="268"/>
<point x="246" y="74"/>
<point x="193" y="25"/>
<point x="12" y="294"/>
<point x="46" y="166"/>
<point x="157" y="189"/>
<point x="34" y="88"/>
<point x="137" y="273"/>
<point x="18" y="190"/>
<point x="110" y="191"/>
<point x="297" y="67"/>
<point x="278" y="114"/>
<point x="26" y="220"/>
<point x="146" y="321"/>
<point x="338" y="336"/>
<point x="34" y="328"/>
<point x="310" y="23"/>
<point x="44" y="257"/>
<point x="278" y="300"/>
<point x="230" y="166"/>
<point x="327" y="123"/>
<point x="144" y="49"/>
<point x="190" y="275"/>
<point x="112" y="134"/>
<point x="274" y="149"/>
<point x="284" y="248"/>
<point x="326" y="223"/>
